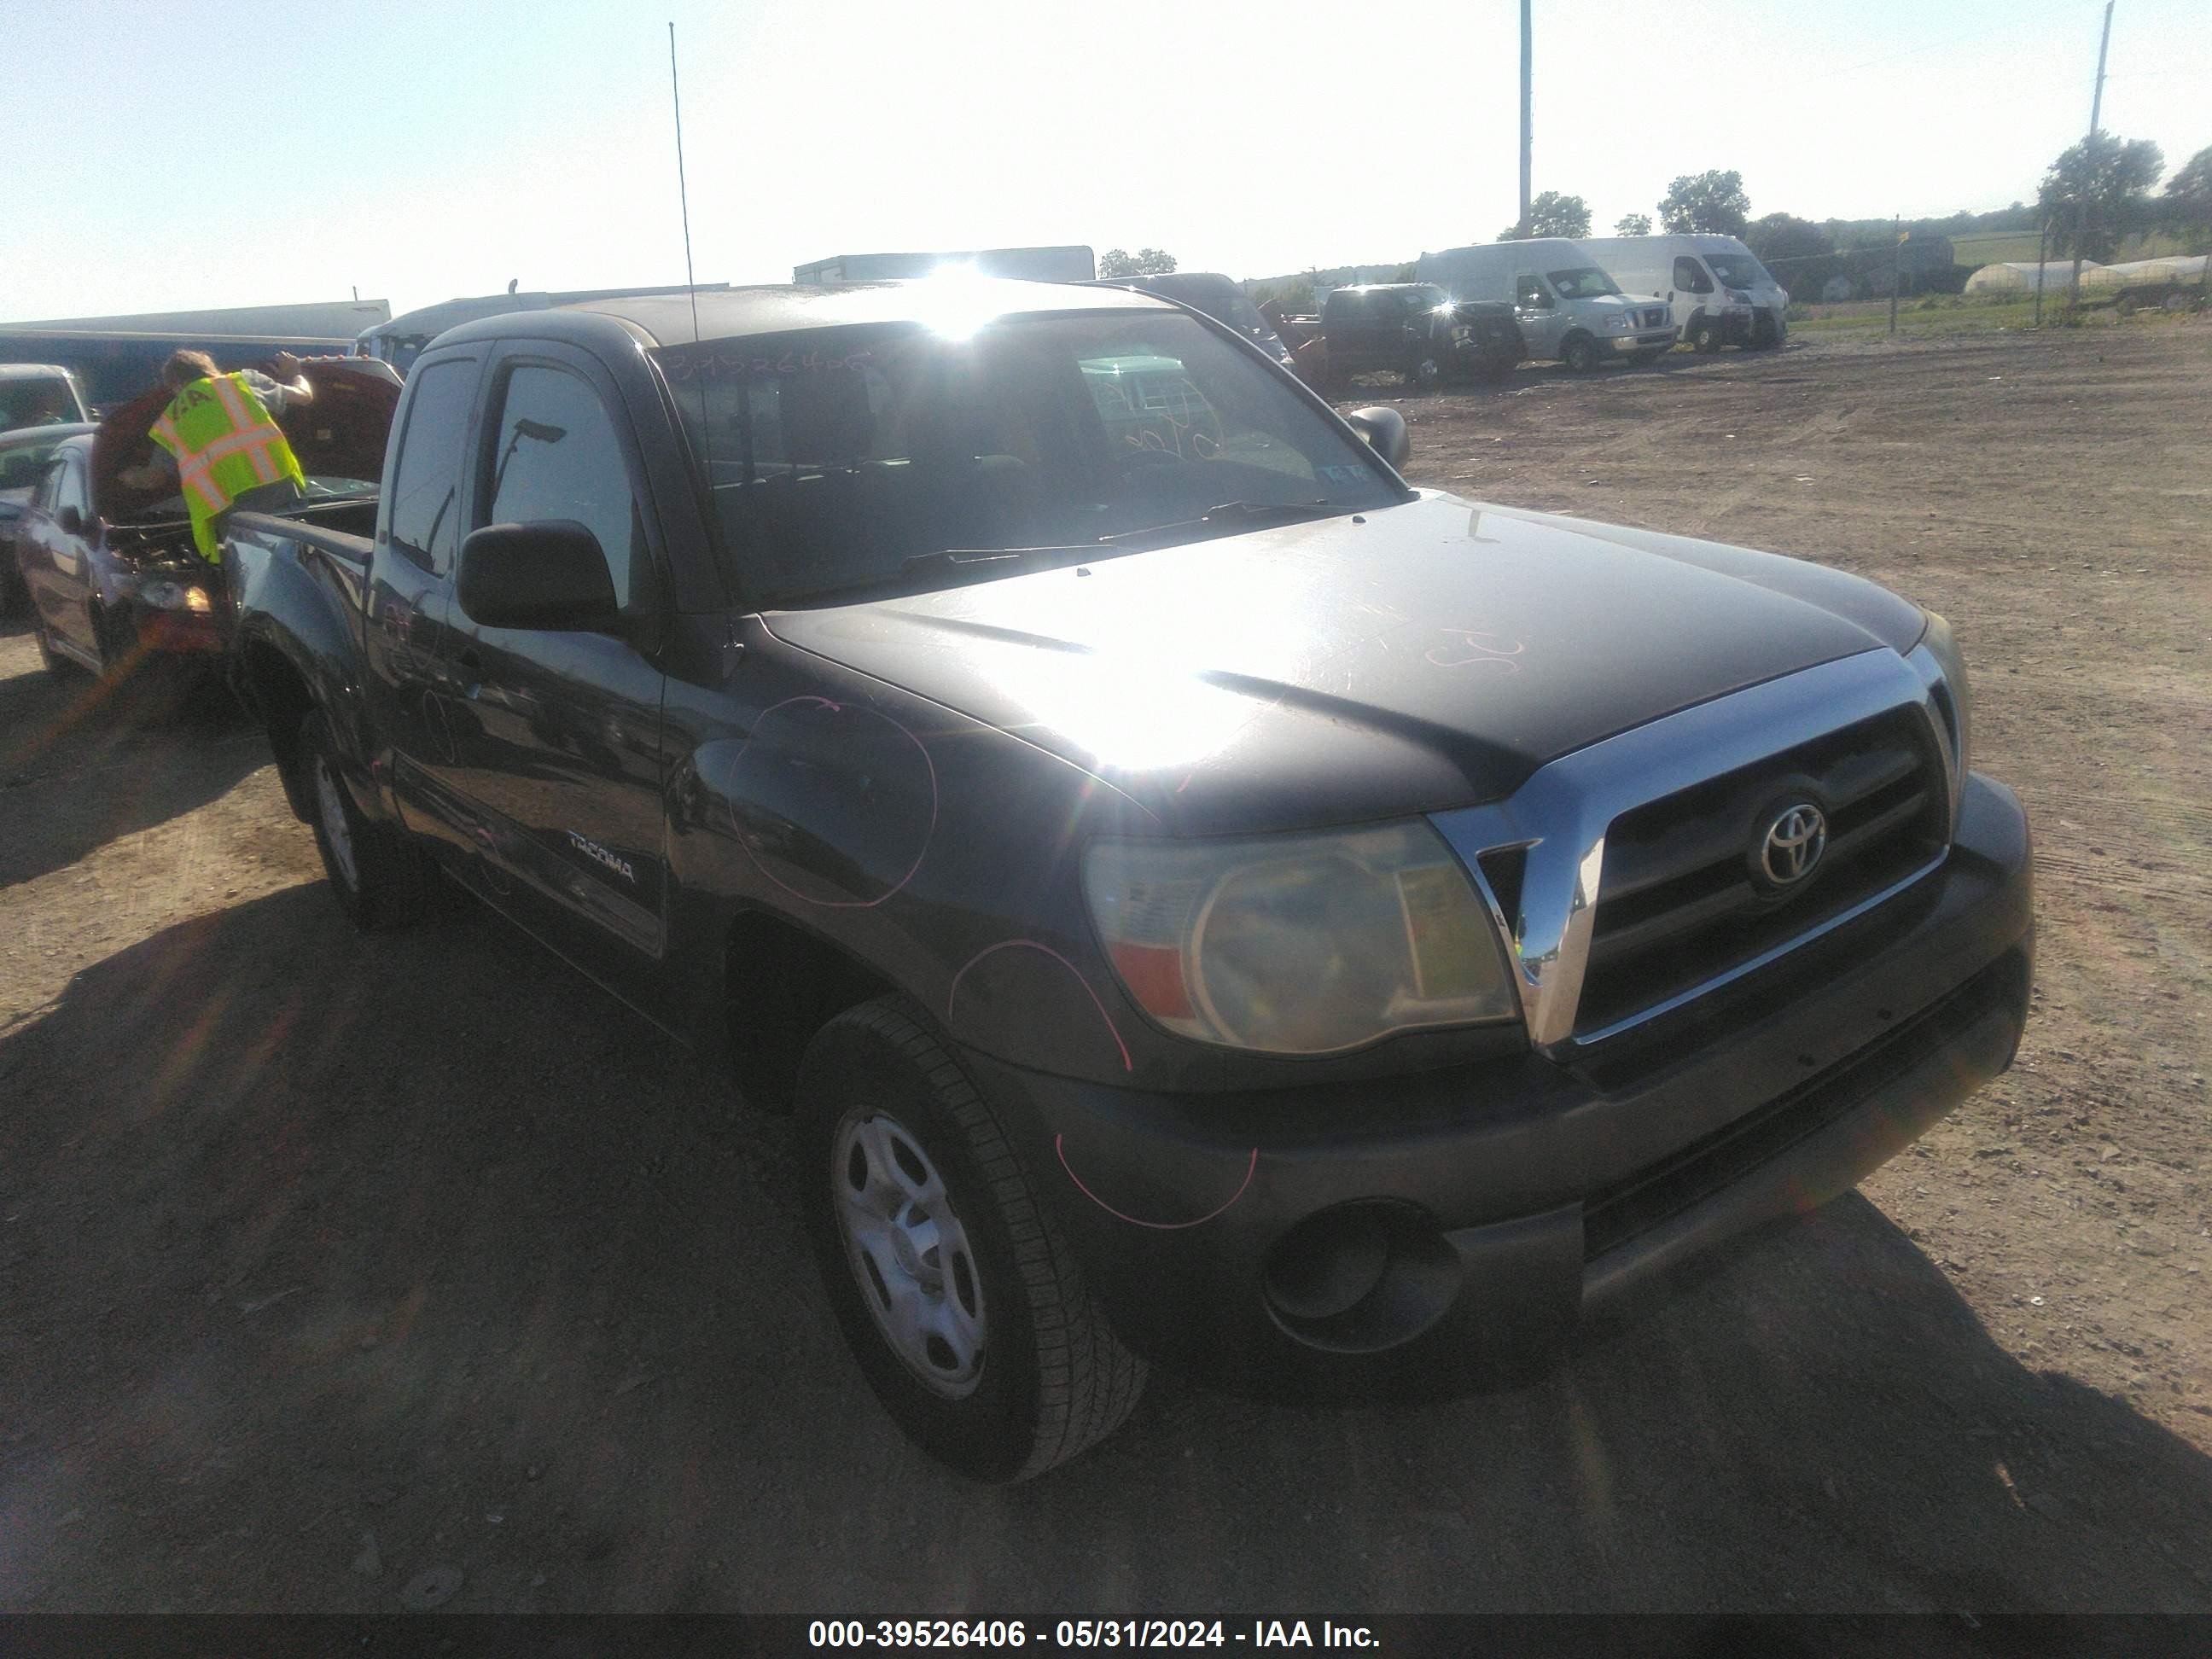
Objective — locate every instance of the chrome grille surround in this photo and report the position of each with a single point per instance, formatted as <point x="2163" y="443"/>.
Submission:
<point x="1558" y="819"/>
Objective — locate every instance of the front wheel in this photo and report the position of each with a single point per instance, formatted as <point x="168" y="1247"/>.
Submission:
<point x="377" y="878"/>
<point x="1423" y="372"/>
<point x="961" y="1304"/>
<point x="1579" y="354"/>
<point x="1705" y="338"/>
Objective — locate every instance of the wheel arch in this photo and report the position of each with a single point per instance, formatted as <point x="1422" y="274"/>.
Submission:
<point x="277" y="691"/>
<point x="781" y="983"/>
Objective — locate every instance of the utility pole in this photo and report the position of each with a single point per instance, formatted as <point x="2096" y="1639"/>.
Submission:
<point x="2042" y="244"/>
<point x="2082" y="212"/>
<point x="1526" y="63"/>
<point x="1896" y="268"/>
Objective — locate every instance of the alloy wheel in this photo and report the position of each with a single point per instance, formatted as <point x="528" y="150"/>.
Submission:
<point x="909" y="1253"/>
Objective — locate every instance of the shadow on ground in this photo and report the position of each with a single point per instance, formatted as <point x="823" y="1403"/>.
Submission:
<point x="84" y="761"/>
<point x="308" y="1240"/>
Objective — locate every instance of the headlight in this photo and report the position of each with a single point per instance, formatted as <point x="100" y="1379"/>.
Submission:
<point x="1619" y="322"/>
<point x="166" y="595"/>
<point x="1302" y="945"/>
<point x="1944" y="648"/>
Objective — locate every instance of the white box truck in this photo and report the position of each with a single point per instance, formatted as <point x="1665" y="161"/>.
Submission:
<point x="1570" y="309"/>
<point x="1719" y="293"/>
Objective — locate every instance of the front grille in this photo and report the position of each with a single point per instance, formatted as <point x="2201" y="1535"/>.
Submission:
<point x="1678" y="904"/>
<point x="1616" y="1213"/>
<point x="1654" y="316"/>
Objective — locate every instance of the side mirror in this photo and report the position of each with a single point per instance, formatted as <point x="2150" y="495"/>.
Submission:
<point x="1385" y="431"/>
<point x="551" y="575"/>
<point x="70" y="521"/>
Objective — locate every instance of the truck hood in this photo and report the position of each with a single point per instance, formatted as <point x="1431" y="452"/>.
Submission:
<point x="1412" y="659"/>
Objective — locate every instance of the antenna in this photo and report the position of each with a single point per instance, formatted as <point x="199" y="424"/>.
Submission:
<point x="682" y="196"/>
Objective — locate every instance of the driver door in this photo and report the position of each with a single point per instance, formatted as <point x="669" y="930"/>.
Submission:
<point x="559" y="753"/>
<point x="1538" y="315"/>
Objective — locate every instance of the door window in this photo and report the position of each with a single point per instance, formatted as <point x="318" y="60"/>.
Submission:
<point x="1690" y="276"/>
<point x="1532" y="293"/>
<point x="70" y="487"/>
<point x="425" y="508"/>
<point x="558" y="457"/>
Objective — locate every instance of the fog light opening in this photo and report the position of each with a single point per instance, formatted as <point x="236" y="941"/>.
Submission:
<point x="1361" y="1278"/>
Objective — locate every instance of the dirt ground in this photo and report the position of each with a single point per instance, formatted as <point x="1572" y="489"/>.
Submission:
<point x="326" y="1261"/>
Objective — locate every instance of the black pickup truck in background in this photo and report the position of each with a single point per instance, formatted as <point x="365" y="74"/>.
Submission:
<point x="1415" y="330"/>
<point x="1202" y="897"/>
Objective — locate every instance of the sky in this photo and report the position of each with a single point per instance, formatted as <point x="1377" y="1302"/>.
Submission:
<point x="415" y="152"/>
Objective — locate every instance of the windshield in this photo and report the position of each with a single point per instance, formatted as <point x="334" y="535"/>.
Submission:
<point x="1584" y="283"/>
<point x="1738" y="270"/>
<point x="21" y="463"/>
<point x="838" y="455"/>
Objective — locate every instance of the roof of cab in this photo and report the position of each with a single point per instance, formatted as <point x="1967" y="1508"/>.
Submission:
<point x="734" y="313"/>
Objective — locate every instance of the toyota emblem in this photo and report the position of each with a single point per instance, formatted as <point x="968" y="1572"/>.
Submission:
<point x="1795" y="839"/>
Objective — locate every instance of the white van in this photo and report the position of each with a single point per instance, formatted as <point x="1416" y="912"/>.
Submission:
<point x="1719" y="293"/>
<point x="1570" y="310"/>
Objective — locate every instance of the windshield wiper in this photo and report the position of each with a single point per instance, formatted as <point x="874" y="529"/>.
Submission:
<point x="1233" y="515"/>
<point x="959" y="558"/>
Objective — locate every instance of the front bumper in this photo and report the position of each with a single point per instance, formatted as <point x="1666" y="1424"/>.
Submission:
<point x="1429" y="1229"/>
<point x="1649" y="339"/>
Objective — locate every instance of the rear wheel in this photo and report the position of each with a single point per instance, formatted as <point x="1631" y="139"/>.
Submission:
<point x="378" y="878"/>
<point x="962" y="1305"/>
<point x="1579" y="353"/>
<point x="1423" y="372"/>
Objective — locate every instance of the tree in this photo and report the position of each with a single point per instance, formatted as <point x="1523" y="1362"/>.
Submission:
<point x="1551" y="214"/>
<point x="1633" y="224"/>
<point x="1409" y="274"/>
<point x="2109" y="178"/>
<point x="2188" y="198"/>
<point x="1711" y="201"/>
<point x="1784" y="238"/>
<point x="1146" y="262"/>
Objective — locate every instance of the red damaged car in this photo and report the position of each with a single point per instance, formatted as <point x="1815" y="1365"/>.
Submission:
<point x="114" y="581"/>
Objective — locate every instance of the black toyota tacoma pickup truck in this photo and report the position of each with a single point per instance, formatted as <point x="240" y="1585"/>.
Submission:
<point x="1203" y="899"/>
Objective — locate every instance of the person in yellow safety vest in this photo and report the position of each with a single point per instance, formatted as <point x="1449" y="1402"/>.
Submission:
<point x="219" y="440"/>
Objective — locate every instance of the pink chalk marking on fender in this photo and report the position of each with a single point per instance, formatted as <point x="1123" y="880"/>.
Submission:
<point x="1469" y="642"/>
<point x="1059" y="1145"/>
<point x="927" y="835"/>
<point x="1112" y="1029"/>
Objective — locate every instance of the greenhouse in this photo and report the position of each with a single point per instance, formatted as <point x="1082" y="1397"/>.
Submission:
<point x="2138" y="273"/>
<point x="2021" y="276"/>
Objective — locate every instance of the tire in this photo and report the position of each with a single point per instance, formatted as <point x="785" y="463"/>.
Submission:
<point x="1006" y="1367"/>
<point x="1422" y="372"/>
<point x="379" y="880"/>
<point x="1579" y="353"/>
<point x="1705" y="338"/>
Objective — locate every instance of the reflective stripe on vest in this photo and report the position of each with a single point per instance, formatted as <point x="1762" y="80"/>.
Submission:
<point x="225" y="442"/>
